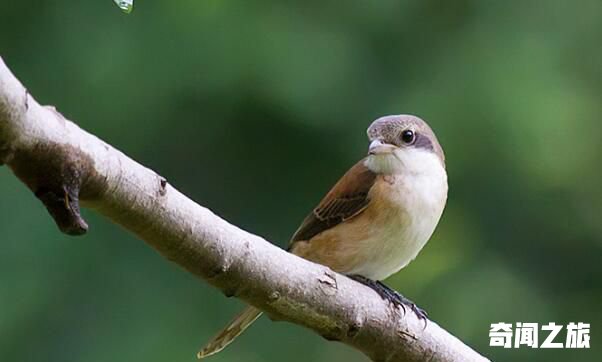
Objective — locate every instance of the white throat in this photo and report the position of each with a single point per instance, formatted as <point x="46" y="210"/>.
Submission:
<point x="405" y="161"/>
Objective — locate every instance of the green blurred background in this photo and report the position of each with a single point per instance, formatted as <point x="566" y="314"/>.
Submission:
<point x="255" y="108"/>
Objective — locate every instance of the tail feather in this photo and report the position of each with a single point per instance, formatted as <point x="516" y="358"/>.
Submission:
<point x="230" y="332"/>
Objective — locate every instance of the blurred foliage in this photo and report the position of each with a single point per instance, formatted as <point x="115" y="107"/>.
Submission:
<point x="254" y="109"/>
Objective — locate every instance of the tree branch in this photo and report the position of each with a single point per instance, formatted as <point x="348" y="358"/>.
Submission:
<point x="63" y="165"/>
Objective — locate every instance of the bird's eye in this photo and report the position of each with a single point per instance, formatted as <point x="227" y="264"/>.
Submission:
<point x="408" y="136"/>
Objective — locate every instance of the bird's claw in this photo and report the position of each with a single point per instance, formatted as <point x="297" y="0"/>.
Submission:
<point x="399" y="300"/>
<point x="393" y="297"/>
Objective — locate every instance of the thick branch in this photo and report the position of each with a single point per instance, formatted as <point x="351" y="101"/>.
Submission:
<point x="63" y="165"/>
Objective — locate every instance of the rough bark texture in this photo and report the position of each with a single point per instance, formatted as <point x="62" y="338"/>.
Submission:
<point x="64" y="165"/>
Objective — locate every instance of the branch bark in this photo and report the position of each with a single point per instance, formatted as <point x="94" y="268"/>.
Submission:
<point x="64" y="165"/>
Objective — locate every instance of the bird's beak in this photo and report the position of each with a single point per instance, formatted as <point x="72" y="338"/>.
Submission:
<point x="377" y="147"/>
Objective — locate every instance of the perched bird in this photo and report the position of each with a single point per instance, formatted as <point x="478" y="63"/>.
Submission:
<point x="376" y="218"/>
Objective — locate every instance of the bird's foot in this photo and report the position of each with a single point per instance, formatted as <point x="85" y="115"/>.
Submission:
<point x="392" y="296"/>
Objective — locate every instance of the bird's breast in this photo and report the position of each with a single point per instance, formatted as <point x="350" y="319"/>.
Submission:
<point x="400" y="218"/>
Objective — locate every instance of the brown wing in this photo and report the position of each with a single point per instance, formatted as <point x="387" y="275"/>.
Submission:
<point x="346" y="199"/>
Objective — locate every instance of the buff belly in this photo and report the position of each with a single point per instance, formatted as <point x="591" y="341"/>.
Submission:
<point x="399" y="220"/>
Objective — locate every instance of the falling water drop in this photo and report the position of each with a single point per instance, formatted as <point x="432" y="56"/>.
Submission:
<point x="125" y="5"/>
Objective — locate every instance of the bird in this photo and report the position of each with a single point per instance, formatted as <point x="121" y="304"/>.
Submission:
<point x="375" y="219"/>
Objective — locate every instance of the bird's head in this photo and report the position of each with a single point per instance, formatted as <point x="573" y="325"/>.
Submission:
<point x="403" y="144"/>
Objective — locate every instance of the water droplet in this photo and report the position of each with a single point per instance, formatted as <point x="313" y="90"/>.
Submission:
<point x="125" y="5"/>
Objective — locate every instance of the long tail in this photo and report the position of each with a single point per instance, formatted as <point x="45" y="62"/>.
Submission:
<point x="230" y="332"/>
